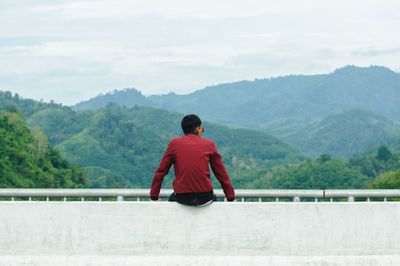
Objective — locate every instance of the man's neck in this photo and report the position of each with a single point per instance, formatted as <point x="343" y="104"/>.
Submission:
<point x="192" y="134"/>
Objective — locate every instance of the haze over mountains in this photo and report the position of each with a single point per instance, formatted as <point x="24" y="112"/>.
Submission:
<point x="350" y="111"/>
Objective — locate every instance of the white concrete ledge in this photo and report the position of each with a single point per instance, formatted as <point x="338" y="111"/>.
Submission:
<point x="200" y="260"/>
<point x="163" y="233"/>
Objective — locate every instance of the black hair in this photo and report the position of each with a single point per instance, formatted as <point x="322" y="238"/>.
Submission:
<point x="189" y="123"/>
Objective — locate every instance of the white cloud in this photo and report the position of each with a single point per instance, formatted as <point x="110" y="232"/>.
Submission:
<point x="72" y="50"/>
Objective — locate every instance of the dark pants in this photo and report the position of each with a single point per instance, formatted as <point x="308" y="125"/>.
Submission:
<point x="193" y="199"/>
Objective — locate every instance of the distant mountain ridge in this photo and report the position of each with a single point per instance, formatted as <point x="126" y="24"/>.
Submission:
<point x="347" y="133"/>
<point x="283" y="106"/>
<point x="346" y="88"/>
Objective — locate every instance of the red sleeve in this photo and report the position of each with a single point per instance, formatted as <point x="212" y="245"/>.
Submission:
<point x="220" y="172"/>
<point x="161" y="171"/>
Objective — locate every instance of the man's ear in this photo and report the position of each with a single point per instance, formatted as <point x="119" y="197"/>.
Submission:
<point x="197" y="130"/>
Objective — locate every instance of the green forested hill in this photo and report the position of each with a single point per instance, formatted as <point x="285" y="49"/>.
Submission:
<point x="26" y="159"/>
<point x="284" y="107"/>
<point x="121" y="147"/>
<point x="378" y="169"/>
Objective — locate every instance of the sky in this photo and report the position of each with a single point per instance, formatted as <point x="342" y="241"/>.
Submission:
<point x="69" y="51"/>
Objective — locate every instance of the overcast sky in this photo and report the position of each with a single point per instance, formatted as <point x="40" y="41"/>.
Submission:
<point x="69" y="51"/>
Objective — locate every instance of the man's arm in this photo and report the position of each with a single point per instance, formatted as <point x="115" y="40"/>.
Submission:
<point x="161" y="171"/>
<point x="220" y="172"/>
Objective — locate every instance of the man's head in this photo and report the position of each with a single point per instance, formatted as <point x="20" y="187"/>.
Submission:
<point x="191" y="124"/>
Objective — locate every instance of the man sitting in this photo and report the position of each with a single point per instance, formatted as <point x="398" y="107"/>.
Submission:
<point x="191" y="155"/>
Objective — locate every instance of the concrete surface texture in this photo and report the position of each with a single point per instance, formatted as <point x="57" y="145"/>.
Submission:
<point x="163" y="233"/>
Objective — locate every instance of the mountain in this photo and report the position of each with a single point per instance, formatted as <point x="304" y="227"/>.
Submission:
<point x="121" y="147"/>
<point x="378" y="169"/>
<point x="27" y="160"/>
<point x="127" y="97"/>
<point x="282" y="106"/>
<point x="348" y="133"/>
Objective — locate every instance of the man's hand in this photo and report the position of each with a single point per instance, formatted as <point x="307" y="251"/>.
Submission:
<point x="154" y="198"/>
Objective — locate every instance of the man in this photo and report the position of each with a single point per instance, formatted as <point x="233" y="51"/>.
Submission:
<point x="191" y="155"/>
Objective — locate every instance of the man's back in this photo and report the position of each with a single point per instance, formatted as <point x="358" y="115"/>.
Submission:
<point x="191" y="156"/>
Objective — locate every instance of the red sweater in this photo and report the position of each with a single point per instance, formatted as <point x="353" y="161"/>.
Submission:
<point x="191" y="156"/>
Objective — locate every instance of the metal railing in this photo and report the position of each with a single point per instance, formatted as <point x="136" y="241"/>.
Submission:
<point x="260" y="195"/>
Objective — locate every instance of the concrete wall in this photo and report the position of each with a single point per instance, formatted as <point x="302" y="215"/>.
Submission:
<point x="162" y="233"/>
